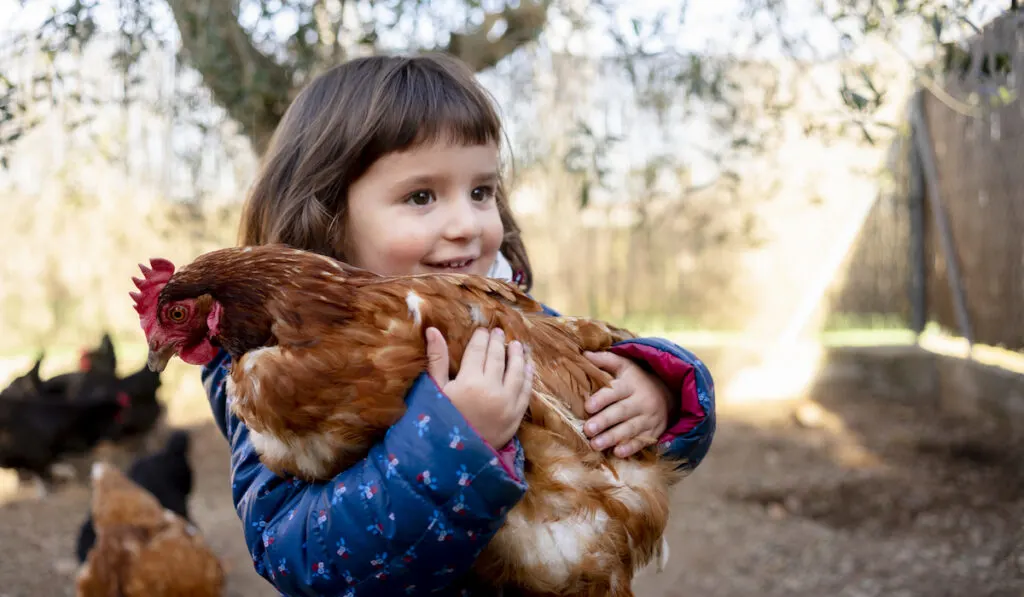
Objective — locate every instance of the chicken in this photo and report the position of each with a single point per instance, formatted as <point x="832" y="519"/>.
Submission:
<point x="142" y="410"/>
<point x="100" y="362"/>
<point x="143" y="549"/>
<point x="44" y="421"/>
<point x="36" y="431"/>
<point x="27" y="384"/>
<point x="165" y="473"/>
<point x="323" y="354"/>
<point x="136" y="393"/>
<point x="102" y="358"/>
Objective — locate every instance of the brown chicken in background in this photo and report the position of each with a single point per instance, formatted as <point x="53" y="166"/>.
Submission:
<point x="141" y="548"/>
<point x="323" y="355"/>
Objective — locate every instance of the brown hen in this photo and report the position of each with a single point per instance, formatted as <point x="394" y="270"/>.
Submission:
<point x="141" y="548"/>
<point x="323" y="355"/>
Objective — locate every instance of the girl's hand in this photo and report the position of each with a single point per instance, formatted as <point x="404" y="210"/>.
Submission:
<point x="490" y="393"/>
<point x="629" y="414"/>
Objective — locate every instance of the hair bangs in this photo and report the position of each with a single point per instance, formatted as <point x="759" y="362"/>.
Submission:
<point x="435" y="102"/>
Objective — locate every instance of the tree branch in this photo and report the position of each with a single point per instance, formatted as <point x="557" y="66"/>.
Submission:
<point x="253" y="88"/>
<point x="523" y="25"/>
<point x="329" y="29"/>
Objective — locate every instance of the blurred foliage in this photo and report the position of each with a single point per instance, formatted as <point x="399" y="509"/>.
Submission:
<point x="66" y="275"/>
<point x="252" y="69"/>
<point x="680" y="251"/>
<point x="252" y="65"/>
<point x="945" y="29"/>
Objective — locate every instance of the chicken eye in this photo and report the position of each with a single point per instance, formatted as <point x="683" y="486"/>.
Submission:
<point x="177" y="314"/>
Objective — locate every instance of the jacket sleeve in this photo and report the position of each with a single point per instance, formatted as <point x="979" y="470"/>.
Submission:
<point x="408" y="519"/>
<point x="687" y="438"/>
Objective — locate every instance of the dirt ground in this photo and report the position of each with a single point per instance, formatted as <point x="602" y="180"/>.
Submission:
<point x="848" y="495"/>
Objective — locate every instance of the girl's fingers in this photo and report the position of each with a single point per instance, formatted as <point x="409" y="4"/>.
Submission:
<point x="618" y="434"/>
<point x="630" y="447"/>
<point x="620" y="411"/>
<point x="614" y="392"/>
<point x="494" y="366"/>
<point x="476" y="350"/>
<point x="437" y="356"/>
<point x="515" y="368"/>
<point x="609" y="361"/>
<point x="525" y="392"/>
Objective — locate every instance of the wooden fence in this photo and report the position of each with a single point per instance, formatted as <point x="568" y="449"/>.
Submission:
<point x="946" y="244"/>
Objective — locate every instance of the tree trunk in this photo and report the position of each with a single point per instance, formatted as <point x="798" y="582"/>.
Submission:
<point x="255" y="90"/>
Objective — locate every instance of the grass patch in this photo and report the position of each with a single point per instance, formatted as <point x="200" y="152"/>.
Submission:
<point x="867" y="337"/>
<point x="836" y="322"/>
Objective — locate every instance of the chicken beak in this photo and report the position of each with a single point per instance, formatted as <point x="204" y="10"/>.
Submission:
<point x="158" y="358"/>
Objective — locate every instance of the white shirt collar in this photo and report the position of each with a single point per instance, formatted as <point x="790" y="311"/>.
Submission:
<point x="501" y="269"/>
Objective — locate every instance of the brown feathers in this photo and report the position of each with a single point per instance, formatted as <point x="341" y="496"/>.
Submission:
<point x="324" y="354"/>
<point x="142" y="549"/>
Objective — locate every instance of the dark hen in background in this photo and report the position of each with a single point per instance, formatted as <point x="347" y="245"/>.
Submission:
<point x="45" y="421"/>
<point x="37" y="431"/>
<point x="137" y="393"/>
<point x="98" y="363"/>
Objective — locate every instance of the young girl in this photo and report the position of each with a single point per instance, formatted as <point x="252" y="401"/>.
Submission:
<point x="392" y="164"/>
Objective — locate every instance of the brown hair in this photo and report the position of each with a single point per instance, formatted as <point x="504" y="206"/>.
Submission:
<point x="346" y="119"/>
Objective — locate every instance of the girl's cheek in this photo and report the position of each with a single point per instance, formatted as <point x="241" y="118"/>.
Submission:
<point x="407" y="248"/>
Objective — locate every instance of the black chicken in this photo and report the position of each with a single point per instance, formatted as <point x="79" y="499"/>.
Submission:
<point x="98" y="363"/>
<point x="137" y="393"/>
<point x="98" y="376"/>
<point x="45" y="421"/>
<point x="37" y="431"/>
<point x="165" y="473"/>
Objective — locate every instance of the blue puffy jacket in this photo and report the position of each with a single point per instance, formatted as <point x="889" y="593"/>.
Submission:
<point x="412" y="517"/>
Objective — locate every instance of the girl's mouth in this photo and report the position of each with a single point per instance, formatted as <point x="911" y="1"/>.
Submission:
<point x="454" y="264"/>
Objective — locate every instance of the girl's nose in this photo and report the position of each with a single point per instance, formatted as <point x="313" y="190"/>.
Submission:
<point x="463" y="221"/>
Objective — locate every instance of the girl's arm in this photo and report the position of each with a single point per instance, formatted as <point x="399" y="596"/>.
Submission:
<point x="410" y="518"/>
<point x="692" y="428"/>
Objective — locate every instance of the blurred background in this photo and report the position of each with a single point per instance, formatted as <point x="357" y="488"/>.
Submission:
<point x="820" y="198"/>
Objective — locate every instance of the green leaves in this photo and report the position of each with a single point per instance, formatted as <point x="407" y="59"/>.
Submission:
<point x="864" y="96"/>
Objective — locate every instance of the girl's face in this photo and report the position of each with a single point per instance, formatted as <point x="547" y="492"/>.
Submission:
<point x="429" y="209"/>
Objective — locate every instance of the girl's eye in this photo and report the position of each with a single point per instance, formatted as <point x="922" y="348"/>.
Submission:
<point x="482" y="194"/>
<point x="420" y="198"/>
<point x="177" y="314"/>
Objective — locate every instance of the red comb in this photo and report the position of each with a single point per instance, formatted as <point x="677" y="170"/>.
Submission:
<point x="153" y="280"/>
